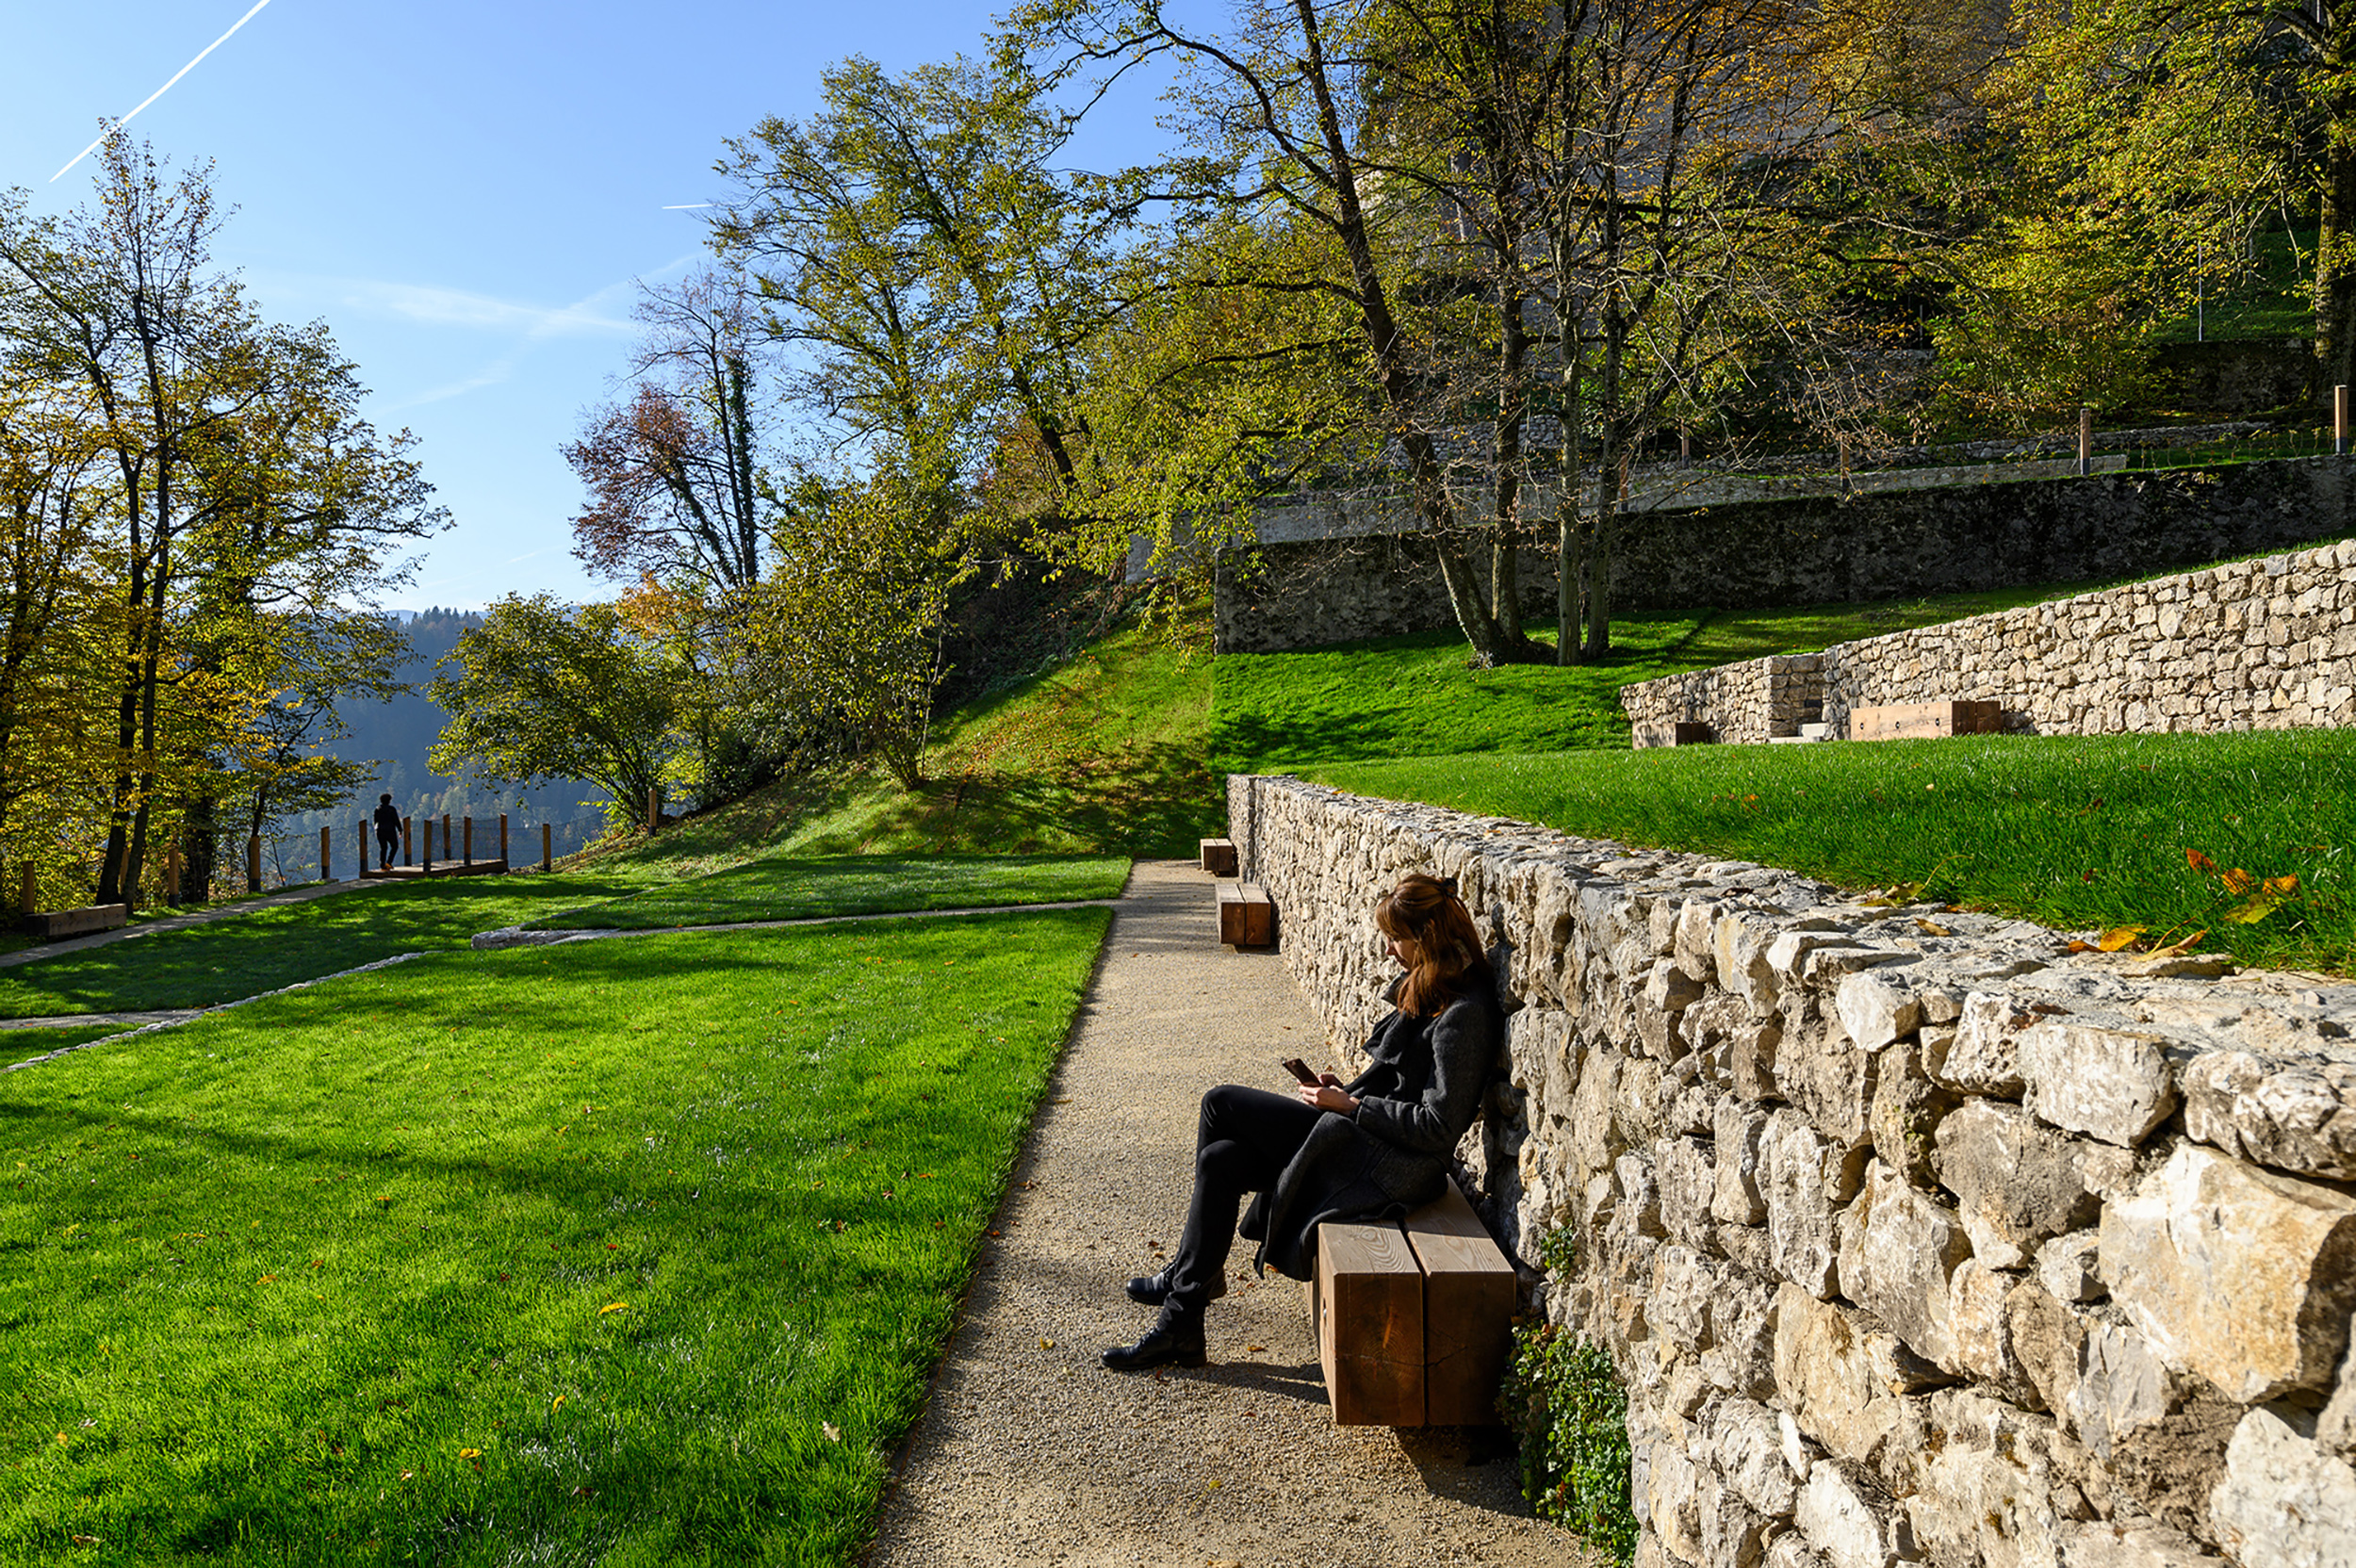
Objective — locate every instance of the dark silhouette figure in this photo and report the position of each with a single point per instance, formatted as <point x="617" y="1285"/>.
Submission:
<point x="388" y="820"/>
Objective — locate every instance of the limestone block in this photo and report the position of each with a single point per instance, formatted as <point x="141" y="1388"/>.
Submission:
<point x="1978" y="1509"/>
<point x="1844" y="1520"/>
<point x="1738" y="941"/>
<point x="1736" y="1132"/>
<point x="2120" y="1389"/>
<point x="1898" y="1252"/>
<point x="2114" y="1084"/>
<point x="1751" y="1060"/>
<point x="2139" y="1544"/>
<point x="1741" y="1355"/>
<point x="2283" y="1502"/>
<point x="1804" y="1178"/>
<point x="1792" y="1551"/>
<point x="1674" y="1512"/>
<point x="1983" y="1339"/>
<point x="1733" y="1534"/>
<point x="1748" y="1444"/>
<point x="1824" y="1375"/>
<point x="2295" y="1112"/>
<point x="2238" y="1274"/>
<point x="2046" y="1340"/>
<point x="1878" y="1006"/>
<point x="1636" y="1209"/>
<point x="1826" y="1075"/>
<point x="1683" y="1284"/>
<point x="1787" y="954"/>
<point x="2066" y="1267"/>
<point x="1695" y="941"/>
<point x="1544" y="1055"/>
<point x="2016" y="1183"/>
<point x="1670" y="988"/>
<point x="1905" y="1113"/>
<point x="1686" y="1172"/>
<point x="1984" y="1057"/>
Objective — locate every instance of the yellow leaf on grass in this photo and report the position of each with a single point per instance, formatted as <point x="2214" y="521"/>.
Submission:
<point x="2279" y="885"/>
<point x="2237" y="880"/>
<point x="2198" y="861"/>
<point x="469" y="1453"/>
<point x="560" y="1404"/>
<point x="2120" y="937"/>
<point x="613" y="1306"/>
<point x="2250" y="911"/>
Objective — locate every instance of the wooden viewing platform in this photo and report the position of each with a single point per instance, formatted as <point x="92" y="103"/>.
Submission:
<point x="461" y="864"/>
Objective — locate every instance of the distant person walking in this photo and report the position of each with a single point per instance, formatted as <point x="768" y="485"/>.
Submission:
<point x="387" y="820"/>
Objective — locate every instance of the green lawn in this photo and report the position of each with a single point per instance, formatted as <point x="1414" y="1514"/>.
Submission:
<point x="18" y="1044"/>
<point x="632" y="1252"/>
<point x="793" y="888"/>
<point x="1414" y="696"/>
<point x="2070" y="831"/>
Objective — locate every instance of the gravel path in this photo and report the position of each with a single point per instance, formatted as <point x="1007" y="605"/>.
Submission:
<point x="1030" y="1452"/>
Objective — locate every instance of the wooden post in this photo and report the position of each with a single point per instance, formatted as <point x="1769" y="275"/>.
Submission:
<point x="326" y="874"/>
<point x="172" y="873"/>
<point x="25" y="889"/>
<point x="2086" y="442"/>
<point x="1685" y="447"/>
<point x="502" y="838"/>
<point x="253" y="862"/>
<point x="445" y="839"/>
<point x="2339" y="422"/>
<point x="405" y="841"/>
<point x="467" y="826"/>
<point x="547" y="860"/>
<point x="654" y="809"/>
<point x="1841" y="444"/>
<point x="426" y="863"/>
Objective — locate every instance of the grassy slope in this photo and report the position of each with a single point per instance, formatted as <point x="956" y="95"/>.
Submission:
<point x="795" y="887"/>
<point x="1413" y="696"/>
<point x="551" y="1255"/>
<point x="2073" y="831"/>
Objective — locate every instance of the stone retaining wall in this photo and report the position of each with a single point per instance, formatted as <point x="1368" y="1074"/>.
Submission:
<point x="2257" y="645"/>
<point x="1813" y="550"/>
<point x="1914" y="1236"/>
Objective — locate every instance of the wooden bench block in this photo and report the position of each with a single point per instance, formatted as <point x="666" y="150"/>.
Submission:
<point x="1367" y="1301"/>
<point x="1219" y="856"/>
<point x="1925" y="720"/>
<point x="77" y="922"/>
<point x="1247" y="916"/>
<point x="1469" y="1296"/>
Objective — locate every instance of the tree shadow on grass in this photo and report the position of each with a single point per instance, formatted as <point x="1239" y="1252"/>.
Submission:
<point x="1153" y="800"/>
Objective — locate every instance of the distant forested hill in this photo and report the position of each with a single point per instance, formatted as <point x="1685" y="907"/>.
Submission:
<point x="396" y="736"/>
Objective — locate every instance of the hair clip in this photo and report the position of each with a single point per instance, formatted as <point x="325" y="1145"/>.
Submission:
<point x="1447" y="886"/>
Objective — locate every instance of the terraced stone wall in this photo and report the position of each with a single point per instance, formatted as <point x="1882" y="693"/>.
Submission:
<point x="2269" y="644"/>
<point x="1914" y="1235"/>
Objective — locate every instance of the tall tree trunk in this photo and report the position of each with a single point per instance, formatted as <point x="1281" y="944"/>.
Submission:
<point x="2335" y="252"/>
<point x="1505" y="590"/>
<point x="1610" y="474"/>
<point x="1570" y="547"/>
<point x="200" y="822"/>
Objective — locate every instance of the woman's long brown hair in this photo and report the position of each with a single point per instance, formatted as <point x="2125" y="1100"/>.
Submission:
<point x="1425" y="911"/>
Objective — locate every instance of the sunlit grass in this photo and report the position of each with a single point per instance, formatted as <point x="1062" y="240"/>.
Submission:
<point x="792" y="888"/>
<point x="629" y="1253"/>
<point x="2072" y="831"/>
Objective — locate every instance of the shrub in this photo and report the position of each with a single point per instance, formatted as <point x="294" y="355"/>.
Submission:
<point x="1565" y="1403"/>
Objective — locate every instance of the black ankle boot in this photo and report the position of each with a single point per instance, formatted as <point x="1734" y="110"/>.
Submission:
<point x="1175" y="1341"/>
<point x="1151" y="1290"/>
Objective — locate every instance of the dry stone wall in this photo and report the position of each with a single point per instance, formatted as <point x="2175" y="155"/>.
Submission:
<point x="1915" y="1236"/>
<point x="2256" y="644"/>
<point x="1813" y="550"/>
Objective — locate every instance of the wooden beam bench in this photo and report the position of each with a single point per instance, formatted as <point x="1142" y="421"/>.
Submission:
<point x="1247" y="916"/>
<point x="1413" y="1318"/>
<point x="1219" y="856"/>
<point x="1908" y="721"/>
<point x="54" y="924"/>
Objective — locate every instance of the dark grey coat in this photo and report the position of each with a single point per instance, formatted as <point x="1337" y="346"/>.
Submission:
<point x="1415" y="1103"/>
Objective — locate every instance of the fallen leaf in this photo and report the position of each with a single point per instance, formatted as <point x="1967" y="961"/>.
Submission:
<point x="2279" y="885"/>
<point x="1932" y="927"/>
<point x="2198" y="861"/>
<point x="2076" y="946"/>
<point x="559" y="1404"/>
<point x="2178" y="949"/>
<point x="2120" y="937"/>
<point x="408" y="1475"/>
<point x="613" y="1306"/>
<point x="87" y="1539"/>
<point x="834" y="1433"/>
<point x="2237" y="880"/>
<point x="469" y="1453"/>
<point x="1046" y="1343"/>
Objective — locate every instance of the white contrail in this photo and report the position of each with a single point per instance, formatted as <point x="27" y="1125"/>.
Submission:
<point x="158" y="93"/>
<point x="687" y="206"/>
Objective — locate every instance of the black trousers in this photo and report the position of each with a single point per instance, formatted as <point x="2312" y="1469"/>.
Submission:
<point x="385" y="845"/>
<point x="1242" y="1143"/>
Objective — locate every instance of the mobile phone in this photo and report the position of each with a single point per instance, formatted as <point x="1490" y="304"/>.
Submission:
<point x="1300" y="1070"/>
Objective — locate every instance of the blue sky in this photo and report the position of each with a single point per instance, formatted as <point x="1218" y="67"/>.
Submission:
<point x="463" y="192"/>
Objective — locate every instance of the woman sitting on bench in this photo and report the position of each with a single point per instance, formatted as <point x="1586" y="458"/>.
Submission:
<point x="1373" y="1148"/>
